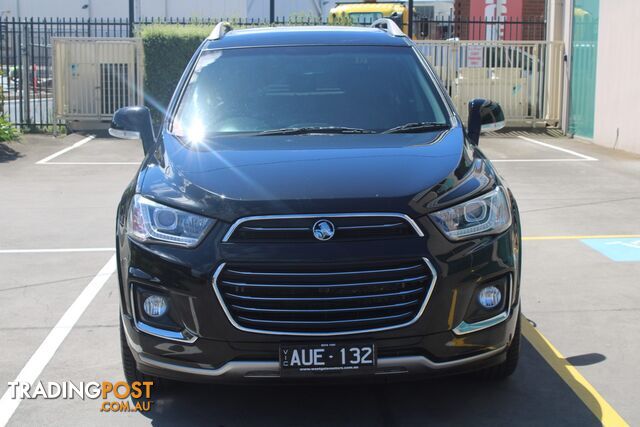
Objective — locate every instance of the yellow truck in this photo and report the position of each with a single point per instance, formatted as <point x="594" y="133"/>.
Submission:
<point x="366" y="13"/>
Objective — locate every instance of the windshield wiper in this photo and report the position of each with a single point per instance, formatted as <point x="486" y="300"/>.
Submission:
<point x="417" y="127"/>
<point x="314" y="129"/>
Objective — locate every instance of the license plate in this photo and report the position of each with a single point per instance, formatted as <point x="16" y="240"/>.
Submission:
<point x="309" y="359"/>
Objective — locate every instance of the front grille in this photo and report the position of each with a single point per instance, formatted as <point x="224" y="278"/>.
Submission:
<point x="308" y="300"/>
<point x="299" y="228"/>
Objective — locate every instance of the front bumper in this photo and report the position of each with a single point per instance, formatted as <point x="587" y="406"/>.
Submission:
<point x="211" y="348"/>
<point x="246" y="365"/>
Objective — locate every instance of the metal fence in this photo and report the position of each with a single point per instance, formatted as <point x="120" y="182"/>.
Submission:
<point x="27" y="80"/>
<point x="26" y="57"/>
<point x="26" y="63"/>
<point x="443" y="28"/>
<point x="525" y="77"/>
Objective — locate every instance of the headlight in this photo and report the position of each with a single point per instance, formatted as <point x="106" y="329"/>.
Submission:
<point x="151" y="221"/>
<point x="487" y="214"/>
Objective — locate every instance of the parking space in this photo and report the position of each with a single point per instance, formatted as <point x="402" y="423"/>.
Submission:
<point x="92" y="151"/>
<point x="580" y="360"/>
<point x="42" y="285"/>
<point x="523" y="149"/>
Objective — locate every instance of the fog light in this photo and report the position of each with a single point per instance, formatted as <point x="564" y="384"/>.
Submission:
<point x="155" y="306"/>
<point x="489" y="297"/>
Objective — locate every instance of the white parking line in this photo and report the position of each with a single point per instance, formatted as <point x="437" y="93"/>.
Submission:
<point x="65" y="150"/>
<point x="540" y="160"/>
<point x="54" y="251"/>
<point x="564" y="150"/>
<point x="581" y="157"/>
<point x="93" y="163"/>
<point x="46" y="351"/>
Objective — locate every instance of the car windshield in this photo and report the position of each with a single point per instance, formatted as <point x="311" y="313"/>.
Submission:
<point x="313" y="89"/>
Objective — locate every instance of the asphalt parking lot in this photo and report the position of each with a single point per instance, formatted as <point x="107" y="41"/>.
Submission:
<point x="581" y="358"/>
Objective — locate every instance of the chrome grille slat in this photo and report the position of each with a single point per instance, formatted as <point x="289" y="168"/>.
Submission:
<point x="322" y="285"/>
<point x="364" y="227"/>
<point x="323" y="299"/>
<point x="337" y="273"/>
<point x="352" y="297"/>
<point x="326" y="310"/>
<point x="352" y="226"/>
<point x="326" y="322"/>
<point x="276" y="228"/>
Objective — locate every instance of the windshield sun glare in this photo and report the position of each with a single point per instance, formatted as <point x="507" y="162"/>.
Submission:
<point x="258" y="90"/>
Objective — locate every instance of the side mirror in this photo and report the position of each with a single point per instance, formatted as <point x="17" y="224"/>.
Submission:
<point x="133" y="123"/>
<point x="484" y="116"/>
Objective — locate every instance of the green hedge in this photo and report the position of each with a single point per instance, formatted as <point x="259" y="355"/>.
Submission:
<point x="8" y="131"/>
<point x="167" y="50"/>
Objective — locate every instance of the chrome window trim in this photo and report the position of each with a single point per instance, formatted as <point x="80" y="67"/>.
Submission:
<point x="271" y="369"/>
<point x="432" y="284"/>
<point x="467" y="328"/>
<point x="241" y="221"/>
<point x="183" y="336"/>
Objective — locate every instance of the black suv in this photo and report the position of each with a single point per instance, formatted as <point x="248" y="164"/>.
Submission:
<point x="314" y="207"/>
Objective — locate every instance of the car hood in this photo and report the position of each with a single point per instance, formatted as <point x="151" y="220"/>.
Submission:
<point x="241" y="176"/>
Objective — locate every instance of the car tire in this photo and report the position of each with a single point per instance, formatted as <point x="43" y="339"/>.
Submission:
<point x="131" y="372"/>
<point x="507" y="368"/>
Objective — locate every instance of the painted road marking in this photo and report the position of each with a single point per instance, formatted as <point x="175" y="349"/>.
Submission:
<point x="603" y="236"/>
<point x="39" y="360"/>
<point x="54" y="251"/>
<point x="564" y="150"/>
<point x="621" y="250"/>
<point x="93" y="163"/>
<point x="65" y="150"/>
<point x="537" y="160"/>
<point x="579" y="384"/>
<point x="581" y="157"/>
<point x="46" y="351"/>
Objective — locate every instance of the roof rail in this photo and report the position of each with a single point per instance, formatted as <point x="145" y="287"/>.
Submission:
<point x="389" y="26"/>
<point x="220" y="30"/>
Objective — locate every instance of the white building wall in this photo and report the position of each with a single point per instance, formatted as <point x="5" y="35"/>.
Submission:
<point x="617" y="79"/>
<point x="193" y="8"/>
<point x="257" y="9"/>
<point x="288" y="8"/>
<point x="63" y="8"/>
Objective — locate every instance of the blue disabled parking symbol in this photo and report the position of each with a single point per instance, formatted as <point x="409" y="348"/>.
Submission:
<point x="622" y="250"/>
